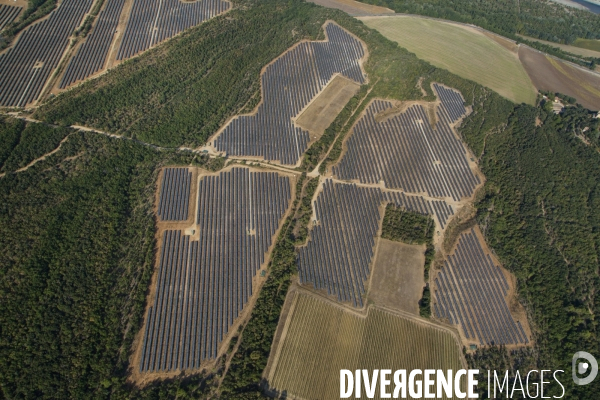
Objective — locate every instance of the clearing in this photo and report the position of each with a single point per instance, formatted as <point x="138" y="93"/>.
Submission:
<point x="398" y="278"/>
<point x="329" y="103"/>
<point x="464" y="51"/>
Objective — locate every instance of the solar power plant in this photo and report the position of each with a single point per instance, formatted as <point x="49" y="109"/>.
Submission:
<point x="288" y="85"/>
<point x="407" y="153"/>
<point x="470" y="292"/>
<point x="8" y="14"/>
<point x="25" y="67"/>
<point x="341" y="244"/>
<point x="174" y="196"/>
<point x="152" y="21"/>
<point x="203" y="285"/>
<point x="91" y="56"/>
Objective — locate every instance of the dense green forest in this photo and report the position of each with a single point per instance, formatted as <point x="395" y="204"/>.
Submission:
<point x="77" y="242"/>
<point x="21" y="143"/>
<point x="539" y="19"/>
<point x="77" y="229"/>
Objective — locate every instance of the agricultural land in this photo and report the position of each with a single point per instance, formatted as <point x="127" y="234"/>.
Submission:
<point x="257" y="193"/>
<point x="319" y="338"/>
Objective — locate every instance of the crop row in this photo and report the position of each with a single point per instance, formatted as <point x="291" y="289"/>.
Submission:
<point x="25" y="67"/>
<point x="91" y="56"/>
<point x="341" y="245"/>
<point x="288" y="85"/>
<point x="321" y="339"/>
<point x="174" y="194"/>
<point x="203" y="285"/>
<point x="407" y="153"/>
<point x="153" y="21"/>
<point x="471" y="291"/>
<point x="8" y="14"/>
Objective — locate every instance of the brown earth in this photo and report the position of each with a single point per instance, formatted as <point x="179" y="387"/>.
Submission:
<point x="550" y="74"/>
<point x="329" y="103"/>
<point x="397" y="279"/>
<point x="502" y="41"/>
<point x="17" y="3"/>
<point x="353" y="8"/>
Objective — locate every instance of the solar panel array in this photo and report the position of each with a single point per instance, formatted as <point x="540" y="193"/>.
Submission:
<point x="8" y="14"/>
<point x="174" y="196"/>
<point x="341" y="244"/>
<point x="152" y="21"/>
<point x="91" y="56"/>
<point x="288" y="86"/>
<point x="471" y="292"/>
<point x="203" y="285"/>
<point x="407" y="153"/>
<point x="25" y="67"/>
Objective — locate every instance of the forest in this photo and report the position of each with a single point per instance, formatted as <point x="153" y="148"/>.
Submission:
<point x="544" y="20"/>
<point x="77" y="229"/>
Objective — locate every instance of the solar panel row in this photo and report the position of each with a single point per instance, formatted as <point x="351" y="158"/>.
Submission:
<point x="288" y="86"/>
<point x="470" y="291"/>
<point x="341" y="245"/>
<point x="407" y="153"/>
<point x="204" y="284"/>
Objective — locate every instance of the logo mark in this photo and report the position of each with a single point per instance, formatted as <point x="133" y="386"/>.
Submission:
<point x="583" y="367"/>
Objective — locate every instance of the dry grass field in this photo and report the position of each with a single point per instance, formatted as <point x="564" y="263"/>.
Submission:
<point x="353" y="8"/>
<point x="398" y="278"/>
<point x="320" y="338"/>
<point x="462" y="51"/>
<point x="328" y="104"/>
<point x="550" y="74"/>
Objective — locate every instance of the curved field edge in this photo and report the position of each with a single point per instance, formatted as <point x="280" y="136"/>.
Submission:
<point x="460" y="50"/>
<point x="322" y="337"/>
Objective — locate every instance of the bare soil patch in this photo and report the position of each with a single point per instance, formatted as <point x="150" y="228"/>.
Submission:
<point x="550" y="74"/>
<point x="329" y="103"/>
<point x="502" y="41"/>
<point x="397" y="279"/>
<point x="353" y="8"/>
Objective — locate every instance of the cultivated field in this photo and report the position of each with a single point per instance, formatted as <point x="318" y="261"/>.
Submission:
<point x="551" y="74"/>
<point x="404" y="150"/>
<point x="461" y="50"/>
<point x="319" y="338"/>
<point x="207" y="262"/>
<point x="398" y="280"/>
<point x="337" y="258"/>
<point x="353" y="8"/>
<point x="581" y="51"/>
<point x="26" y="66"/>
<point x="289" y="84"/>
<point x="472" y="292"/>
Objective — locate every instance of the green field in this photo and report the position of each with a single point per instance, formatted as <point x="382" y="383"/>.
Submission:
<point x="589" y="44"/>
<point x="323" y="338"/>
<point x="465" y="52"/>
<point x="581" y="47"/>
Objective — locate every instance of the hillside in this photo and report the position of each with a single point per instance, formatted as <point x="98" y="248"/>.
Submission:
<point x="78" y="228"/>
